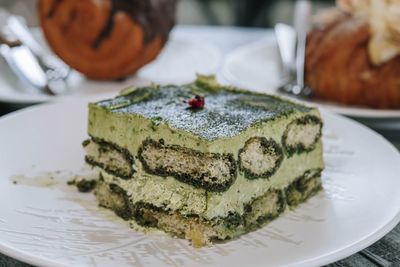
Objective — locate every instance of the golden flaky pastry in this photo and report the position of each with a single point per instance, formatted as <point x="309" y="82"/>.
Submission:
<point x="384" y="19"/>
<point x="353" y="55"/>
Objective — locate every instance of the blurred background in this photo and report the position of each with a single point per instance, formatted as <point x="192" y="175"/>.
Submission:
<point x="248" y="13"/>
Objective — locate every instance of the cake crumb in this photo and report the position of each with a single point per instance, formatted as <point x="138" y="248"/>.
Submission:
<point x="83" y="185"/>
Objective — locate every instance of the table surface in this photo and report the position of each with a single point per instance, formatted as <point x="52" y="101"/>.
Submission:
<point x="385" y="252"/>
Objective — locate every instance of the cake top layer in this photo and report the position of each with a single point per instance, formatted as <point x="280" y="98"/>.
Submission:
<point x="227" y="112"/>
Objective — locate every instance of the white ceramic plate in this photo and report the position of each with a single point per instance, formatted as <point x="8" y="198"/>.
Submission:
<point x="54" y="225"/>
<point x="183" y="56"/>
<point x="257" y="67"/>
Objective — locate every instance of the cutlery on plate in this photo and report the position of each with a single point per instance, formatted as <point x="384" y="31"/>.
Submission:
<point x="286" y="39"/>
<point x="56" y="71"/>
<point x="302" y="23"/>
<point x="22" y="62"/>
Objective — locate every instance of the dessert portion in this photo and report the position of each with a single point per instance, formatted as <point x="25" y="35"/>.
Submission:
<point x="203" y="172"/>
<point x="353" y="54"/>
<point x="107" y="39"/>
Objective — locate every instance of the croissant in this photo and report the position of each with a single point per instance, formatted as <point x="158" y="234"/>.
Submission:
<point x="106" y="39"/>
<point x="339" y="66"/>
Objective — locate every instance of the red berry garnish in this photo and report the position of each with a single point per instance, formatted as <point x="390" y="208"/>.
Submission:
<point x="196" y="102"/>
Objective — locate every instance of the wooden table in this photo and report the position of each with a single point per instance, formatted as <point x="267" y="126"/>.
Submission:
<point x="385" y="252"/>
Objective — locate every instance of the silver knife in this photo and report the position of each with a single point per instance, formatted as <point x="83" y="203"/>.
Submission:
<point x="57" y="72"/>
<point x="23" y="64"/>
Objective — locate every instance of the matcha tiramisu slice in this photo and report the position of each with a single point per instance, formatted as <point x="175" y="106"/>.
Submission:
<point x="203" y="161"/>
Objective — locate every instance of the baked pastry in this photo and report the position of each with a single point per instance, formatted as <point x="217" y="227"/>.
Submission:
<point x="203" y="168"/>
<point x="353" y="55"/>
<point x="106" y="39"/>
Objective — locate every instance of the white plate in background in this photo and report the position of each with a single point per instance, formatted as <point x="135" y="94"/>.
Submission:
<point x="54" y="225"/>
<point x="182" y="57"/>
<point x="256" y="66"/>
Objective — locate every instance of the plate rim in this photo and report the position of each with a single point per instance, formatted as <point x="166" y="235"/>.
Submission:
<point x="327" y="258"/>
<point x="371" y="238"/>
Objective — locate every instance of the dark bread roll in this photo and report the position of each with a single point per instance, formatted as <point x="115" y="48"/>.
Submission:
<point x="106" y="39"/>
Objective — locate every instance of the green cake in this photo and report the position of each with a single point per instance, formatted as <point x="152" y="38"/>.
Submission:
<point x="204" y="173"/>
